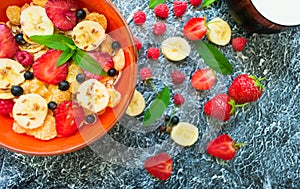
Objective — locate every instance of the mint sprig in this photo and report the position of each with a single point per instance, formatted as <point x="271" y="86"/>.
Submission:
<point x="154" y="3"/>
<point x="207" y="3"/>
<point x="66" y="44"/>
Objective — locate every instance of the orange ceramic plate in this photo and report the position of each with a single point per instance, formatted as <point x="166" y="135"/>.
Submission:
<point x="118" y="28"/>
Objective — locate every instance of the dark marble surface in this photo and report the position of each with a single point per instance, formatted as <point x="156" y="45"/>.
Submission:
<point x="270" y="126"/>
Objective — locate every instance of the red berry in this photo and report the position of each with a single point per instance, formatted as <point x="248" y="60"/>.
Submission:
<point x="153" y="53"/>
<point x="159" y="28"/>
<point x="178" y="99"/>
<point x="195" y="28"/>
<point x="179" y="8"/>
<point x="139" y="17"/>
<point x="196" y="2"/>
<point x="137" y="43"/>
<point x="6" y="106"/>
<point x="239" y="43"/>
<point x="24" y="58"/>
<point x="177" y="77"/>
<point x="203" y="79"/>
<point x="159" y="166"/>
<point x="161" y="11"/>
<point x="8" y="45"/>
<point x="145" y="73"/>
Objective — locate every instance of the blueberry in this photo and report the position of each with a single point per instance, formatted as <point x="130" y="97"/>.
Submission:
<point x="80" y="78"/>
<point x="52" y="105"/>
<point x="81" y="14"/>
<point x="175" y="120"/>
<point x="167" y="118"/>
<point x="64" y="85"/>
<point x="115" y="45"/>
<point x="16" y="90"/>
<point x="19" y="39"/>
<point x="112" y="72"/>
<point x="28" y="75"/>
<point x="90" y="119"/>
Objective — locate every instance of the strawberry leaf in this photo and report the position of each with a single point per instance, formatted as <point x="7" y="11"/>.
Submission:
<point x="64" y="57"/>
<point x="207" y="3"/>
<point x="55" y="41"/>
<point x="154" y="3"/>
<point x="157" y="107"/>
<point x="213" y="58"/>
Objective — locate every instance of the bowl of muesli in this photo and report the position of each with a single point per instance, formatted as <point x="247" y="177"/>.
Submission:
<point x="68" y="70"/>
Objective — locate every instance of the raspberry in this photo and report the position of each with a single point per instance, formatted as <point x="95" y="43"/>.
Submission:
<point x="145" y="73"/>
<point x="178" y="99"/>
<point x="139" y="17"/>
<point x="196" y="2"/>
<point x="153" y="53"/>
<point x="6" y="106"/>
<point x="137" y="43"/>
<point x="177" y="77"/>
<point x="179" y="8"/>
<point x="239" y="43"/>
<point x="159" y="28"/>
<point x="24" y="58"/>
<point x="161" y="11"/>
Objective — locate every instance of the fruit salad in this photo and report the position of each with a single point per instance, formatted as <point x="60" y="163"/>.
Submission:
<point x="49" y="50"/>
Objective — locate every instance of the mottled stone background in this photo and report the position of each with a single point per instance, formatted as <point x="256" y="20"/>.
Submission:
<point x="270" y="126"/>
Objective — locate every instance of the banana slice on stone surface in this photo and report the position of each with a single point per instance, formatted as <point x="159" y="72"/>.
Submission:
<point x="93" y="95"/>
<point x="88" y="35"/>
<point x="136" y="105"/>
<point x="175" y="48"/>
<point x="34" y="21"/>
<point x="219" y="31"/>
<point x="184" y="134"/>
<point x="30" y="111"/>
<point x="10" y="73"/>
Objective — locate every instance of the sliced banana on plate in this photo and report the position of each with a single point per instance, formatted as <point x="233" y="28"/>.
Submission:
<point x="185" y="134"/>
<point x="219" y="32"/>
<point x="74" y="70"/>
<point x="175" y="48"/>
<point x="34" y="21"/>
<point x="10" y="73"/>
<point x="136" y="105"/>
<point x="6" y="94"/>
<point x="92" y="95"/>
<point x="115" y="97"/>
<point x="88" y="35"/>
<point x="119" y="60"/>
<point x="30" y="111"/>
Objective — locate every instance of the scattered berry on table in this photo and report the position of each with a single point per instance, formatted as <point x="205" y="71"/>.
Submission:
<point x="137" y="43"/>
<point x="28" y="75"/>
<point x="145" y="73"/>
<point x="6" y="106"/>
<point x="24" y="58"/>
<point x="8" y="45"/>
<point x="203" y="79"/>
<point x="153" y="53"/>
<point x="195" y="29"/>
<point x="139" y="17"/>
<point x="178" y="99"/>
<point x="80" y="14"/>
<point x="175" y="120"/>
<point x="162" y="128"/>
<point x="52" y="105"/>
<point x="112" y="72"/>
<point x="238" y="43"/>
<point x="64" y="85"/>
<point x="159" y="28"/>
<point x="16" y="90"/>
<point x="177" y="77"/>
<point x="80" y="78"/>
<point x="90" y="119"/>
<point x="195" y="2"/>
<point x="179" y="8"/>
<point x="19" y="39"/>
<point x="161" y="11"/>
<point x="115" y="45"/>
<point x="167" y="118"/>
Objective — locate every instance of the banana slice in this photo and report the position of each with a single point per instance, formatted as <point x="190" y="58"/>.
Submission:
<point x="88" y="35"/>
<point x="10" y="73"/>
<point x="6" y="94"/>
<point x="115" y="97"/>
<point x="74" y="70"/>
<point x="119" y="60"/>
<point x="92" y="95"/>
<point x="30" y="111"/>
<point x="219" y="32"/>
<point x="184" y="134"/>
<point x="34" y="21"/>
<point x="136" y="105"/>
<point x="175" y="48"/>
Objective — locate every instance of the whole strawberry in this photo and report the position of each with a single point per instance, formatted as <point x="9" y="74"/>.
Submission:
<point x="245" y="88"/>
<point x="220" y="107"/>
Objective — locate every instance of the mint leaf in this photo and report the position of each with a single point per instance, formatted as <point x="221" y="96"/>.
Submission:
<point x="55" y="41"/>
<point x="207" y="3"/>
<point x="213" y="58"/>
<point x="88" y="63"/>
<point x="157" y="107"/>
<point x="154" y="3"/>
<point x="64" y="57"/>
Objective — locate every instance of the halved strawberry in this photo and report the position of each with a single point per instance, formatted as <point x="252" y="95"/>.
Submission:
<point x="62" y="13"/>
<point x="203" y="79"/>
<point x="69" y="116"/>
<point x="8" y="45"/>
<point x="45" y="69"/>
<point x="195" y="28"/>
<point x="159" y="166"/>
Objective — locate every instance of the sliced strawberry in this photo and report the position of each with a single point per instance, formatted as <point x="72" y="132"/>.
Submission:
<point x="159" y="166"/>
<point x="62" y="13"/>
<point x="203" y="79"/>
<point x="195" y="28"/>
<point x="69" y="116"/>
<point x="45" y="69"/>
<point x="8" y="45"/>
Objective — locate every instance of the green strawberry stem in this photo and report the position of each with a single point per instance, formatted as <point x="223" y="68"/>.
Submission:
<point x="257" y="81"/>
<point x="234" y="106"/>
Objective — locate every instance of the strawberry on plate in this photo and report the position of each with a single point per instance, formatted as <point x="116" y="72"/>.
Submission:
<point x="8" y="45"/>
<point x="195" y="28"/>
<point x="69" y="116"/>
<point x="203" y="79"/>
<point x="223" y="147"/>
<point x="45" y="69"/>
<point x="159" y="166"/>
<point x="62" y="13"/>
